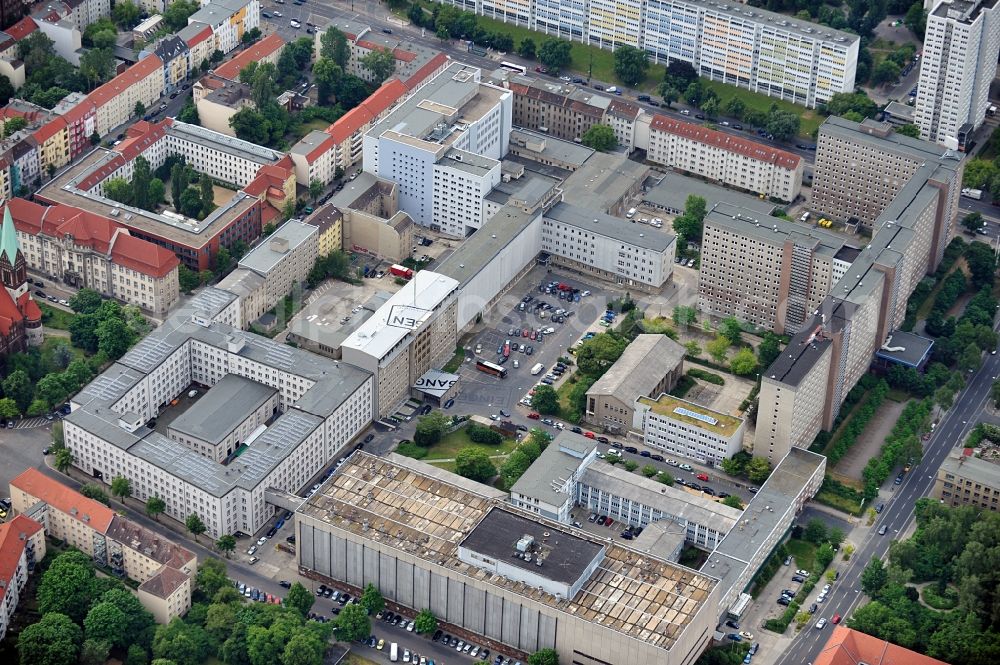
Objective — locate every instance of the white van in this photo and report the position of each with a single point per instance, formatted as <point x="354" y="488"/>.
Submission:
<point x="631" y="213"/>
<point x="537" y="369"/>
<point x="394" y="652"/>
<point x="804" y="217"/>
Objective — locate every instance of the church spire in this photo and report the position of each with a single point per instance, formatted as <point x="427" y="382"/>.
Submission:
<point x="8" y="238"/>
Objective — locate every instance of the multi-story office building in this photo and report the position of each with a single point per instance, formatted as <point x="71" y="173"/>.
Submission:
<point x="22" y="545"/>
<point x="428" y="538"/>
<point x="687" y="429"/>
<point x="650" y="366"/>
<point x="323" y="405"/>
<point x="365" y="217"/>
<point x="731" y="160"/>
<point x="609" y="247"/>
<point x="86" y="250"/>
<point x="802" y="391"/>
<point x="767" y="271"/>
<point x="861" y="168"/>
<point x="969" y="478"/>
<point x="164" y="570"/>
<point x="443" y="146"/>
<point x="961" y="45"/>
<point x="414" y="331"/>
<point x="274" y="267"/>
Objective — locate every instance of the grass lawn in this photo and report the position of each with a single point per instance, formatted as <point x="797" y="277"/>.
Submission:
<point x="53" y="317"/>
<point x="803" y="553"/>
<point x="455" y="362"/>
<point x="51" y="341"/>
<point x="810" y="119"/>
<point x="946" y="602"/>
<point x="449" y="446"/>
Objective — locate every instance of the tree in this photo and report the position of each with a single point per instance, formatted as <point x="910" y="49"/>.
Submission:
<point x="86" y="301"/>
<point x="95" y="492"/>
<point x="14" y="125"/>
<point x="758" y="469"/>
<point x="910" y="130"/>
<point x="555" y="54"/>
<point x="333" y="46"/>
<point x="669" y="94"/>
<point x="526" y="49"/>
<point x="121" y="487"/>
<point x="8" y="408"/>
<point x="211" y="577"/>
<point x="544" y="657"/>
<point x="731" y="329"/>
<point x="836" y="536"/>
<point x="114" y="338"/>
<point x="64" y="459"/>
<point x="226" y="544"/>
<point x="425" y="622"/>
<point x="744" y="363"/>
<point x="155" y="195"/>
<point x="189" y="112"/>
<point x="973" y="222"/>
<point x="18" y="386"/>
<point x="545" y="400"/>
<point x="141" y="177"/>
<point x="474" y="464"/>
<point x="139" y="110"/>
<point x="250" y="125"/>
<point x="303" y="649"/>
<point x="118" y="189"/>
<point x="665" y="478"/>
<point x="630" y="466"/>
<point x="67" y="587"/>
<point x="207" y="195"/>
<point x="595" y="356"/>
<point x="815" y="531"/>
<point x="648" y="470"/>
<point x="96" y="66"/>
<point x="733" y="502"/>
<point x="155" y="506"/>
<point x="352" y="623"/>
<point x="430" y="428"/>
<point x="693" y="93"/>
<point x="371" y="599"/>
<point x="6" y="90"/>
<point x="381" y="63"/>
<point x="600" y="137"/>
<point x="886" y="71"/>
<point x="824" y="554"/>
<point x="315" y="189"/>
<point x="783" y="125"/>
<point x="54" y="640"/>
<point x="136" y="655"/>
<point x="970" y="358"/>
<point x="178" y="184"/>
<point x="177" y="13"/>
<point x="769" y="349"/>
<point x="299" y="599"/>
<point x="195" y="525"/>
<point x="711" y="107"/>
<point x="183" y="643"/>
<point x="689" y="224"/>
<point x="191" y="202"/>
<point x="106" y="623"/>
<point x="718" y="348"/>
<point x="916" y="19"/>
<point x="631" y="65"/>
<point x="327" y="75"/>
<point x="734" y="107"/>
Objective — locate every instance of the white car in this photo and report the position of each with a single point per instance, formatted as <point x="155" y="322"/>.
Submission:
<point x="295" y="24"/>
<point x="278" y="14"/>
<point x="820" y="624"/>
<point x="409" y="627"/>
<point x="516" y="365"/>
<point x="253" y="548"/>
<point x="406" y="655"/>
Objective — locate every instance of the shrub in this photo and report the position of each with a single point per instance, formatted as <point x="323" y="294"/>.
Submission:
<point x="409" y="449"/>
<point x="708" y="377"/>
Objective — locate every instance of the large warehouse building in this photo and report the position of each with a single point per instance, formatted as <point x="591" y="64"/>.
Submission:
<point x="430" y="539"/>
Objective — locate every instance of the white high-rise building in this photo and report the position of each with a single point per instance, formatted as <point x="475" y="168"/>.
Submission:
<point x="442" y="147"/>
<point x="959" y="62"/>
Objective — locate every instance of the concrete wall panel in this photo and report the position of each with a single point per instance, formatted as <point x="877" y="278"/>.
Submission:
<point x="475" y="609"/>
<point x="494" y="616"/>
<point x="387" y="576"/>
<point x="372" y="570"/>
<point x="404" y="583"/>
<point x="528" y="635"/>
<point x="439" y="595"/>
<point x="456" y="602"/>
<point x="421" y="588"/>
<point x="511" y="627"/>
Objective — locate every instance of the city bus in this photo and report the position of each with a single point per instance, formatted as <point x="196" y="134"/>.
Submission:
<point x="520" y="69"/>
<point x="491" y="368"/>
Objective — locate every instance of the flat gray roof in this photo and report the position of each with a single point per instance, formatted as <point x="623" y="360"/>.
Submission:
<point x="567" y="152"/>
<point x="263" y="258"/>
<point x="470" y="162"/>
<point x="603" y="180"/>
<point x="319" y="321"/>
<point x="673" y="189"/>
<point x="774" y="230"/>
<point x="869" y="132"/>
<point x="560" y="460"/>
<point x="905" y="348"/>
<point x="565" y="559"/>
<point x="803" y="28"/>
<point x="615" y="228"/>
<point x="531" y="188"/>
<point x="222" y="408"/>
<point x="972" y="468"/>
<point x="476" y="252"/>
<point x="223" y="142"/>
<point x="640" y="368"/>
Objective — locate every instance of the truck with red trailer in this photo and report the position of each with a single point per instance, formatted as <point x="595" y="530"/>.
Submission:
<point x="401" y="271"/>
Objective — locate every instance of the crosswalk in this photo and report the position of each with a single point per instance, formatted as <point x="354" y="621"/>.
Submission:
<point x="29" y="423"/>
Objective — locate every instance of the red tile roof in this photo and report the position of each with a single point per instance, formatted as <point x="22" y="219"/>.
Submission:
<point x="142" y="256"/>
<point x="22" y="28"/>
<point x="851" y="647"/>
<point x="62" y="498"/>
<point x="200" y="36"/>
<point x="95" y="231"/>
<point x="725" y="141"/>
<point x="426" y="71"/>
<point x="349" y="123"/>
<point x="10" y="315"/>
<point x="13" y="537"/>
<point x="137" y="72"/>
<point x="28" y="306"/>
<point x="403" y="55"/>
<point x="262" y="49"/>
<point x="49" y="129"/>
<point x="271" y="175"/>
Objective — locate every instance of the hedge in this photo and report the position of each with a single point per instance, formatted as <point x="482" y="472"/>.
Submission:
<point x="706" y="376"/>
<point x="862" y="416"/>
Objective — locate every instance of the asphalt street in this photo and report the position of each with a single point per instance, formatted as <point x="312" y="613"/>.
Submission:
<point x="896" y="517"/>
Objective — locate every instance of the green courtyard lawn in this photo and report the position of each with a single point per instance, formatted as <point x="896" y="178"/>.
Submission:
<point x="52" y="341"/>
<point x="810" y="119"/>
<point x="803" y="553"/>
<point x="54" y="317"/>
<point x="447" y="448"/>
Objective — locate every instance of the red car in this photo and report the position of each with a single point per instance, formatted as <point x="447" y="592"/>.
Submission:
<point x="836" y="618"/>
<point x="525" y="332"/>
<point x="589" y="435"/>
<point x="534" y="416"/>
<point x="609" y="522"/>
<point x="702" y="476"/>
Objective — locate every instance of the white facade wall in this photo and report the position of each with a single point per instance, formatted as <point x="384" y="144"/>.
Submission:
<point x="459" y="196"/>
<point x="227" y="166"/>
<point x="12" y="592"/>
<point x="684" y="439"/>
